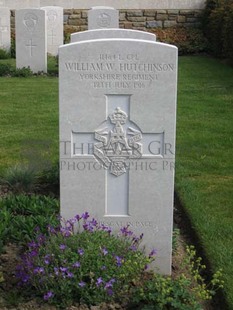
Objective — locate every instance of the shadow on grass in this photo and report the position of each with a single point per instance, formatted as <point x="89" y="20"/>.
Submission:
<point x="182" y="220"/>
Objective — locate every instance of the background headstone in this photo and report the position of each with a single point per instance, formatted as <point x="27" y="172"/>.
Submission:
<point x="54" y="16"/>
<point x="31" y="39"/>
<point x="101" y="17"/>
<point x="111" y="33"/>
<point x="5" y="33"/>
<point x="117" y="136"/>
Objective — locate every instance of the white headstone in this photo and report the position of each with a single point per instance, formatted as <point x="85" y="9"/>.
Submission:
<point x="54" y="16"/>
<point x="31" y="39"/>
<point x="5" y="32"/>
<point x="117" y="136"/>
<point x="111" y="33"/>
<point x="102" y="17"/>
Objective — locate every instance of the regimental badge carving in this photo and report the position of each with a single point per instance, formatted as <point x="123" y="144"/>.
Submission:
<point x="104" y="20"/>
<point x="52" y="16"/>
<point x="117" y="144"/>
<point x="30" y="21"/>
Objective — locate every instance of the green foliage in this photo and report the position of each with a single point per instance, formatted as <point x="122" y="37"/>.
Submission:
<point x="93" y="265"/>
<point x="22" y="72"/>
<point x="185" y="292"/>
<point x="21" y="214"/>
<point x="50" y="176"/>
<point x="175" y="237"/>
<point x="159" y="293"/>
<point x="5" y="70"/>
<point x="194" y="264"/>
<point x="90" y="266"/>
<point x="228" y="33"/>
<point x="52" y="65"/>
<point x="13" y="53"/>
<point x="5" y="222"/>
<point x="188" y="40"/>
<point x="9" y="70"/>
<point x="20" y="178"/>
<point x="4" y="54"/>
<point x="218" y="27"/>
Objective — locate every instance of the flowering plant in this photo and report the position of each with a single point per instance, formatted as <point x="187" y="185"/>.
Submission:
<point x="91" y="265"/>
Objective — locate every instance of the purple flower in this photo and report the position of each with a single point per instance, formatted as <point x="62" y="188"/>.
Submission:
<point x="118" y="260"/>
<point x="72" y="221"/>
<point x="47" y="259"/>
<point x="33" y="253"/>
<point x="109" y="284"/>
<point x="106" y="228"/>
<point x="70" y="275"/>
<point x="135" y="239"/>
<point x="63" y="269"/>
<point x="32" y="244"/>
<point x="103" y="268"/>
<point x="56" y="271"/>
<point x="93" y="222"/>
<point x="87" y="226"/>
<point x="41" y="239"/>
<point x="51" y="229"/>
<point x="77" y="217"/>
<point x="85" y="216"/>
<point x="99" y="281"/>
<point x="38" y="270"/>
<point x="110" y="292"/>
<point x="62" y="247"/>
<point x="66" y="232"/>
<point x="23" y="277"/>
<point x="125" y="231"/>
<point x="82" y="284"/>
<point x="104" y="251"/>
<point x="48" y="295"/>
<point x="133" y="248"/>
<point x="76" y="265"/>
<point x="153" y="253"/>
<point x="80" y="252"/>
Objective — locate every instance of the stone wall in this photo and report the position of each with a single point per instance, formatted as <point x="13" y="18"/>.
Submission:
<point x="76" y="19"/>
<point x="117" y="4"/>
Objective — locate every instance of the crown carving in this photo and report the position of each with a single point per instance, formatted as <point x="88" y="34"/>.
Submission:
<point x="118" y="116"/>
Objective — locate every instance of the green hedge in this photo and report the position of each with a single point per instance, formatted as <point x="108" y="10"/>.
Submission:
<point x="218" y="27"/>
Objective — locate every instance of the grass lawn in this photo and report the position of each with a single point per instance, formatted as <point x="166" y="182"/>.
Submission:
<point x="28" y="117"/>
<point x="204" y="169"/>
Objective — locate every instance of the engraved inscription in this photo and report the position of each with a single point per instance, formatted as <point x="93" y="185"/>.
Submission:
<point x="132" y="224"/>
<point x="119" y="71"/>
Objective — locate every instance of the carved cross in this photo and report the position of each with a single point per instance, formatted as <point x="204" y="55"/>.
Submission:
<point x="51" y="36"/>
<point x="115" y="144"/>
<point x="31" y="46"/>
